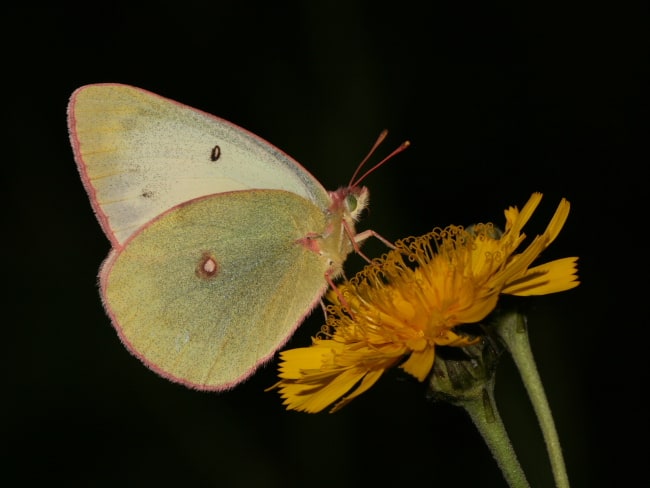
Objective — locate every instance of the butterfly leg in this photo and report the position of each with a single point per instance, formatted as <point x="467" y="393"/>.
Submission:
<point x="356" y="239"/>
<point x="342" y="300"/>
<point x="362" y="236"/>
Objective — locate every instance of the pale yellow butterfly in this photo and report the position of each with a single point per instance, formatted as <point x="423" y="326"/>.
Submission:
<point x="221" y="243"/>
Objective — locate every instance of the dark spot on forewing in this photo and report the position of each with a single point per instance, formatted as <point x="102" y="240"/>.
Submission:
<point x="216" y="153"/>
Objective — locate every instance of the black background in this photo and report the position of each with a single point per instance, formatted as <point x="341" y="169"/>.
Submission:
<point x="498" y="100"/>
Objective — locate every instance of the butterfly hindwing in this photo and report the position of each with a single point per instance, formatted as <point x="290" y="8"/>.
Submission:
<point x="210" y="289"/>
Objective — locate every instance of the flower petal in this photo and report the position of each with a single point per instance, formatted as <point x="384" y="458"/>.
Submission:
<point x="552" y="277"/>
<point x="296" y="361"/>
<point x="419" y="363"/>
<point x="313" y="399"/>
<point x="367" y="381"/>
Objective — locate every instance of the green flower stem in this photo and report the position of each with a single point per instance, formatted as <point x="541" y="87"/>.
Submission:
<point x="511" y="327"/>
<point x="487" y="420"/>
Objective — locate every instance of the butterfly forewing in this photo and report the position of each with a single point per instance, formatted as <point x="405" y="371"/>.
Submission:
<point x="140" y="154"/>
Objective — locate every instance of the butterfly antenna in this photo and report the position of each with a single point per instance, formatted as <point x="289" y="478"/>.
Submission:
<point x="354" y="181"/>
<point x="380" y="139"/>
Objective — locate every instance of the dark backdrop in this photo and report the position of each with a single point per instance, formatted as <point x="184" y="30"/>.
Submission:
<point x="498" y="100"/>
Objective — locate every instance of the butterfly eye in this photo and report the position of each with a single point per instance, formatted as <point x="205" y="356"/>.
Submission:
<point x="351" y="203"/>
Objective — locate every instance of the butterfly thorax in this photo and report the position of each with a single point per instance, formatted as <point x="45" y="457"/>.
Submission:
<point x="338" y="239"/>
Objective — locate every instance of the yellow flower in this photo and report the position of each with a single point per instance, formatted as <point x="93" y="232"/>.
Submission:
<point x="400" y="307"/>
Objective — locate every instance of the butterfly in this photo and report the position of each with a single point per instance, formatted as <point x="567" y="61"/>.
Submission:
<point x="221" y="243"/>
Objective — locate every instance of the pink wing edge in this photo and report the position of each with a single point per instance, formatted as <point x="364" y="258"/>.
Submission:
<point x="81" y="167"/>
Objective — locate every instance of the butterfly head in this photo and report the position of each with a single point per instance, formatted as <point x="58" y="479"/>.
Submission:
<point x="349" y="202"/>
